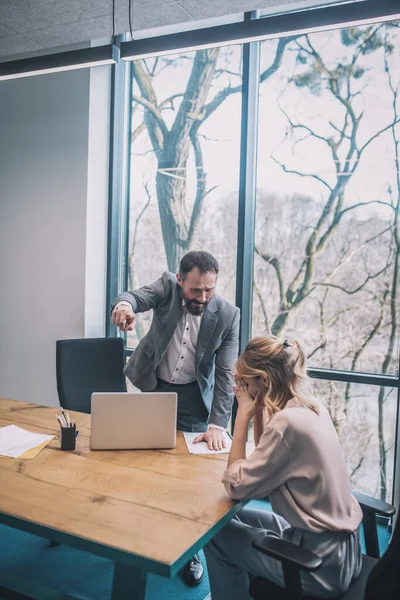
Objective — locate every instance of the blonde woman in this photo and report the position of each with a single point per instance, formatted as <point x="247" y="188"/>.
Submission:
<point x="299" y="464"/>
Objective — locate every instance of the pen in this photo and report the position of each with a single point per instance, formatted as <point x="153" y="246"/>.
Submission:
<point x="65" y="414"/>
<point x="62" y="420"/>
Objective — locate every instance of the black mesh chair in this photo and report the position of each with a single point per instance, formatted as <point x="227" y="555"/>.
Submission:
<point x="84" y="366"/>
<point x="379" y="577"/>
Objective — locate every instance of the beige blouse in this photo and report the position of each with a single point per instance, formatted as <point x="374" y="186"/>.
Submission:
<point x="299" y="464"/>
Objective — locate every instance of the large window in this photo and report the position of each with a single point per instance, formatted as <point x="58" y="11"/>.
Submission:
<point x="184" y="167"/>
<point x="365" y="419"/>
<point x="327" y="244"/>
<point x="327" y="236"/>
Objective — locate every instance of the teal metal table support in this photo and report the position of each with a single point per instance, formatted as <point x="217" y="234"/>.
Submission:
<point x="129" y="583"/>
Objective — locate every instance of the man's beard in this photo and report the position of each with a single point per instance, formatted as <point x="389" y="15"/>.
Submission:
<point x="194" y="307"/>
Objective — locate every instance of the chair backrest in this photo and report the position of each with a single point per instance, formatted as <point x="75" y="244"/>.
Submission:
<point x="84" y="366"/>
<point x="384" y="580"/>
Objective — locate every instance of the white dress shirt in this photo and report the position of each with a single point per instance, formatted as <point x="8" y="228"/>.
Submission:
<point x="178" y="363"/>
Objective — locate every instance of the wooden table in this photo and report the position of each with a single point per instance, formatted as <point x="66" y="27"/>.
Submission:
<point x="148" y="511"/>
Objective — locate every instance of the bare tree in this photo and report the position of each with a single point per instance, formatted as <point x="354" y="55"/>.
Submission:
<point x="172" y="145"/>
<point x="342" y="82"/>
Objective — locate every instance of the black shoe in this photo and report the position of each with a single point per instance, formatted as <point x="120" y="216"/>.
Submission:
<point x="193" y="572"/>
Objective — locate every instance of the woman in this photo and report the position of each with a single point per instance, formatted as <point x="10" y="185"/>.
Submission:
<point x="299" y="464"/>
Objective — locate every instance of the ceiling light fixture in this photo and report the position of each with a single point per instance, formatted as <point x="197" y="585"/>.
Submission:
<point x="354" y="12"/>
<point x="70" y="60"/>
<point x="62" y="61"/>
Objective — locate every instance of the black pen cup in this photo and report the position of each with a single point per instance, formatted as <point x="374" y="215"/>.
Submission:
<point x="68" y="437"/>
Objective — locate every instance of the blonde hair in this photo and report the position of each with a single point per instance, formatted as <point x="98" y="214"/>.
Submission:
<point x="283" y="366"/>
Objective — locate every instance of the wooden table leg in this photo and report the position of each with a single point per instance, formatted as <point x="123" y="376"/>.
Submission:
<point x="129" y="583"/>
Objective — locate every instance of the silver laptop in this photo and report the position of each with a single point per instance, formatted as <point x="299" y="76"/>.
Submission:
<point x="124" y="421"/>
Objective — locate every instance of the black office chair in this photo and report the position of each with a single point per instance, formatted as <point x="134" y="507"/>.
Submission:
<point x="379" y="577"/>
<point x="84" y="366"/>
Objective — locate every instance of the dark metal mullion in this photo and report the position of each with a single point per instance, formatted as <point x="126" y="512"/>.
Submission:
<point x="345" y="377"/>
<point x="273" y="26"/>
<point x="354" y="377"/>
<point x="247" y="187"/>
<point x="127" y="167"/>
<point x="117" y="239"/>
<point x="113" y="208"/>
<point x="247" y="190"/>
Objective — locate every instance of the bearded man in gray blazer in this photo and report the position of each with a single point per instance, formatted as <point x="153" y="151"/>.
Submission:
<point x="190" y="349"/>
<point x="191" y="346"/>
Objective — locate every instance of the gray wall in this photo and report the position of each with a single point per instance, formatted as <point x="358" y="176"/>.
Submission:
<point x="44" y="141"/>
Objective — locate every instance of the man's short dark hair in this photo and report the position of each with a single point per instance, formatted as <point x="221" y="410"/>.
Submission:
<point x="204" y="261"/>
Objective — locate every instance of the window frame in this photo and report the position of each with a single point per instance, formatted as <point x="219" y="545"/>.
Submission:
<point x="117" y="255"/>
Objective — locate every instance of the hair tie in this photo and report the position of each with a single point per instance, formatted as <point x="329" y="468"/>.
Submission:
<point x="286" y="344"/>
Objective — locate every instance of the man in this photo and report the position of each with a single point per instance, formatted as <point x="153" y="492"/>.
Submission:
<point x="190" y="349"/>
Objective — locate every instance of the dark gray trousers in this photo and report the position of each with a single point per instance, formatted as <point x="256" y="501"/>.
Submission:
<point x="232" y="560"/>
<point x="192" y="413"/>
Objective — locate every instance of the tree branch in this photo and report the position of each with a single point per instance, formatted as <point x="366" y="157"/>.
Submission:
<point x="262" y="305"/>
<point x="170" y="101"/>
<point x="357" y="289"/>
<point x="283" y="42"/>
<point x="228" y="91"/>
<point x="137" y="221"/>
<point x="300" y="174"/>
<point x="136" y="133"/>
<point x="154" y="111"/>
<point x="156" y="131"/>
<point x="201" y="186"/>
<point x="378" y="133"/>
<point x="274" y="262"/>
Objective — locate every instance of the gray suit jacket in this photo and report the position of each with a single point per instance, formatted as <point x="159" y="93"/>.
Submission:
<point x="217" y="345"/>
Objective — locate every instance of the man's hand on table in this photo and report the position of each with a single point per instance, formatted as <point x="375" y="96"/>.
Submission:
<point x="214" y="438"/>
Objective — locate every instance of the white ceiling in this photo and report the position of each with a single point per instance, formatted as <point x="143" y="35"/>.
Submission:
<point x="33" y="25"/>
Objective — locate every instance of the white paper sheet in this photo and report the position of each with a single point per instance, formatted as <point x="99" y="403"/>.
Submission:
<point x="201" y="447"/>
<point x="14" y="440"/>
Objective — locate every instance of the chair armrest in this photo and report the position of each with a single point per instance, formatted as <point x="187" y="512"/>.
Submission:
<point x="286" y="551"/>
<point x="370" y="508"/>
<point x="373" y="505"/>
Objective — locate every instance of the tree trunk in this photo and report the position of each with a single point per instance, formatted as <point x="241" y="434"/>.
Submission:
<point x="175" y="214"/>
<point x="171" y="195"/>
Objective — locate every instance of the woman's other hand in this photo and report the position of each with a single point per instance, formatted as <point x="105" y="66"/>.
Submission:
<point x="247" y="405"/>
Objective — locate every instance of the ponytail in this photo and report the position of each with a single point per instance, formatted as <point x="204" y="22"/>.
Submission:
<point x="283" y="366"/>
